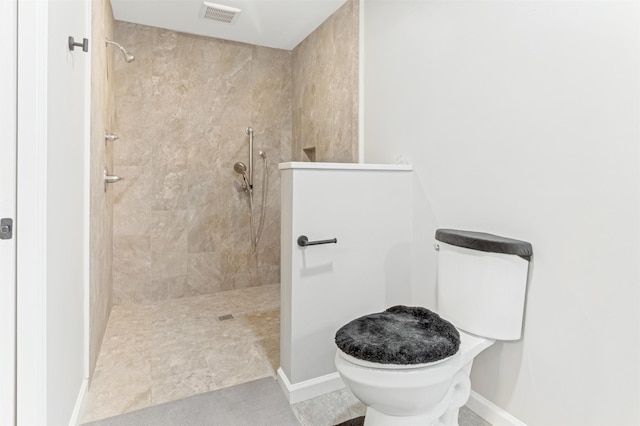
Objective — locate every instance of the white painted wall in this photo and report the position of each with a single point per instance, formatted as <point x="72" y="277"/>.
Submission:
<point x="366" y="271"/>
<point x="52" y="211"/>
<point x="521" y="118"/>
<point x="67" y="207"/>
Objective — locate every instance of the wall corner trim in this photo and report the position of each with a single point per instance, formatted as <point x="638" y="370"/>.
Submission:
<point x="298" y="392"/>
<point x="491" y="412"/>
<point x="77" y="408"/>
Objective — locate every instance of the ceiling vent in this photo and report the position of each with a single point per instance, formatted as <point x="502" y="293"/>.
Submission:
<point x="218" y="12"/>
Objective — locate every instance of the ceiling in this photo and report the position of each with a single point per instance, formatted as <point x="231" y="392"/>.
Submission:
<point x="280" y="24"/>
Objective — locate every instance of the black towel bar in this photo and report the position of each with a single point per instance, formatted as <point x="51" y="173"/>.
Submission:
<point x="303" y="241"/>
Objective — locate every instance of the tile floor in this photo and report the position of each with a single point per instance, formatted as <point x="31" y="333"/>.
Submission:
<point x="159" y="352"/>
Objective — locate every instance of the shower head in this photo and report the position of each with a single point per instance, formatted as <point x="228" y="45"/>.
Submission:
<point x="127" y="56"/>
<point x="240" y="168"/>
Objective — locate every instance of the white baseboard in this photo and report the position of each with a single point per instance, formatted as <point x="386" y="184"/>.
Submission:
<point x="309" y="388"/>
<point x="491" y="412"/>
<point x="77" y="409"/>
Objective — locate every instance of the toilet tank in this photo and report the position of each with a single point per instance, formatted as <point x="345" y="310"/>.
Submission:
<point x="482" y="280"/>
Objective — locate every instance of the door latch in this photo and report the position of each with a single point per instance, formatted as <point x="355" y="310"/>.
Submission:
<point x="6" y="229"/>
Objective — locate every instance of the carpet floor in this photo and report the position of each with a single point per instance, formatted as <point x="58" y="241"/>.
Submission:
<point x="257" y="403"/>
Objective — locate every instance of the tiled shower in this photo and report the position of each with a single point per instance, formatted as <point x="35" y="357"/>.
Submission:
<point x="177" y="225"/>
<point x="181" y="218"/>
<point x="181" y="110"/>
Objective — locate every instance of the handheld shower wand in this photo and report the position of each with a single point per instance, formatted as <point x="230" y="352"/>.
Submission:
<point x="241" y="169"/>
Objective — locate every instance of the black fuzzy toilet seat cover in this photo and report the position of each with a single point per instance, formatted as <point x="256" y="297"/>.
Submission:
<point x="400" y="335"/>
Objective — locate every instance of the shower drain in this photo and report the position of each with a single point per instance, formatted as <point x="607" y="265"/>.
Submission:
<point x="225" y="317"/>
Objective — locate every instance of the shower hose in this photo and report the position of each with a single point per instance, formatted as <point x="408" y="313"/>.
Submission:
<point x="256" y="231"/>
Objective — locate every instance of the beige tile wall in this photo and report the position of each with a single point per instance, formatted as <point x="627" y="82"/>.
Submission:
<point x="181" y="220"/>
<point x="101" y="203"/>
<point x="325" y="89"/>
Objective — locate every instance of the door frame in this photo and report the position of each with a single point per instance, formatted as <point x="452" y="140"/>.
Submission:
<point x="8" y="146"/>
<point x="31" y="265"/>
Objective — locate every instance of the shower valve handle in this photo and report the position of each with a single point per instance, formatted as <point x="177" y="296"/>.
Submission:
<point x="109" y="178"/>
<point x="303" y="241"/>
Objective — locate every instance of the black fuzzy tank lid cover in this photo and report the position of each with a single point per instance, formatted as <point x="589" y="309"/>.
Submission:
<point x="485" y="242"/>
<point x="400" y="335"/>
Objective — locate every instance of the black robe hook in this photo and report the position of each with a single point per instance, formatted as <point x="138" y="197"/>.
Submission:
<point x="84" y="44"/>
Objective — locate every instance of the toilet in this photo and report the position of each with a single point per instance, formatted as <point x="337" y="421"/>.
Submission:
<point x="411" y="366"/>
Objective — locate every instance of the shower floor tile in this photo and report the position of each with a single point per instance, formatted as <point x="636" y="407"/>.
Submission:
<point x="172" y="349"/>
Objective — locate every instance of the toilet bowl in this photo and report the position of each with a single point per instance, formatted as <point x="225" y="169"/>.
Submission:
<point x="413" y="394"/>
<point x="481" y="287"/>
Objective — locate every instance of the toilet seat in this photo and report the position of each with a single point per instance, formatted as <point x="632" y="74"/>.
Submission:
<point x="470" y="346"/>
<point x="401" y="335"/>
<point x="370" y="364"/>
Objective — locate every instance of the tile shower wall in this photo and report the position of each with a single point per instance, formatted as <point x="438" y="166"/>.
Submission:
<point x="181" y="219"/>
<point x="325" y="90"/>
<point x="101" y="203"/>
